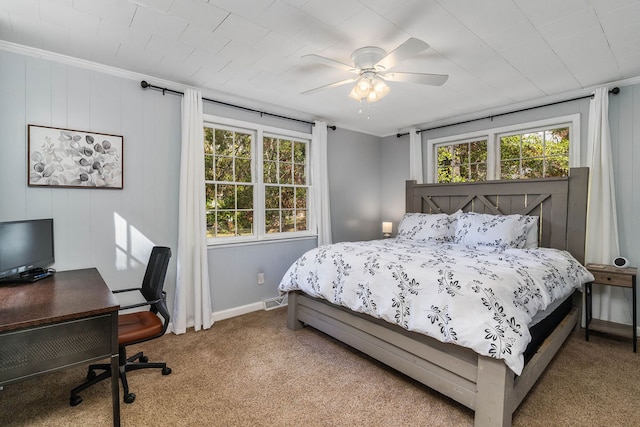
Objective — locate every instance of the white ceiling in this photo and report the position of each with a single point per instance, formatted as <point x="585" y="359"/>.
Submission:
<point x="497" y="52"/>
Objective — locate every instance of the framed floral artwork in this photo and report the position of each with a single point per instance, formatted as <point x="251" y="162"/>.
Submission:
<point x="73" y="158"/>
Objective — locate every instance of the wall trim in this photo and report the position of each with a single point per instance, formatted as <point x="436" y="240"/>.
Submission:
<point x="237" y="311"/>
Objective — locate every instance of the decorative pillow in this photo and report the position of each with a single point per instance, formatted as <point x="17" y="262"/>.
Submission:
<point x="422" y="228"/>
<point x="532" y="234"/>
<point x="500" y="231"/>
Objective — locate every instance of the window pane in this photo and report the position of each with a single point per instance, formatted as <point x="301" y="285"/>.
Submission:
<point x="243" y="170"/>
<point x="479" y="172"/>
<point x="211" y="224"/>
<point x="272" y="197"/>
<point x="445" y="174"/>
<point x="287" y="198"/>
<point x="288" y="220"/>
<point x="532" y="168"/>
<point x="210" y="196"/>
<point x="462" y="174"/>
<point x="245" y="197"/>
<point x="301" y="220"/>
<point x="460" y="154"/>
<point x="243" y="145"/>
<point x="301" y="198"/>
<point x="510" y="169"/>
<point x="208" y="167"/>
<point x="510" y="147"/>
<point x="532" y="145"/>
<point x="226" y="196"/>
<point x="224" y="169"/>
<point x="270" y="148"/>
<point x="224" y="142"/>
<point x="208" y="141"/>
<point x="245" y="223"/>
<point x="285" y="173"/>
<point x="286" y="154"/>
<point x="444" y="155"/>
<point x="299" y="177"/>
<point x="557" y="166"/>
<point x="226" y="225"/>
<point x="557" y="142"/>
<point x="270" y="172"/>
<point x="478" y="151"/>
<point x="272" y="221"/>
<point x="299" y="152"/>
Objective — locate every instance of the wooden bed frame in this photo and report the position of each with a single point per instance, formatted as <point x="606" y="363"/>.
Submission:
<point x="484" y="384"/>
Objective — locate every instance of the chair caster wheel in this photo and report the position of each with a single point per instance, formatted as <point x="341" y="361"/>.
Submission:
<point x="144" y="359"/>
<point x="166" y="371"/>
<point x="129" y="398"/>
<point x="91" y="375"/>
<point x="75" y="400"/>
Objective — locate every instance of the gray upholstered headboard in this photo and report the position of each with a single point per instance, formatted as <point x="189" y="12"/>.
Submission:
<point x="561" y="204"/>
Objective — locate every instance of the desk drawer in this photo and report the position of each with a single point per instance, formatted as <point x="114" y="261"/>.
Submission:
<point x="32" y="351"/>
<point x="613" y="279"/>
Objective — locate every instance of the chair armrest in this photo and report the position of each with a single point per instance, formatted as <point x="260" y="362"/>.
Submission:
<point x="117" y="291"/>
<point x="140" y="304"/>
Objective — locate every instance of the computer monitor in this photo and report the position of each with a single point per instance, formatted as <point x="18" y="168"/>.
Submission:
<point x="26" y="249"/>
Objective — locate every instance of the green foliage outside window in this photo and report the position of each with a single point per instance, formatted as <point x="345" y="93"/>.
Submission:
<point x="537" y="154"/>
<point x="228" y="182"/>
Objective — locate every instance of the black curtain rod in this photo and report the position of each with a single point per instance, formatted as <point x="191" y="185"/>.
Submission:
<point x="615" y="91"/>
<point x="146" y="85"/>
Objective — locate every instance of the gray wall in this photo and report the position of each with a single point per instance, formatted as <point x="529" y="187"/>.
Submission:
<point x="624" y="117"/>
<point x="354" y="185"/>
<point x="114" y="230"/>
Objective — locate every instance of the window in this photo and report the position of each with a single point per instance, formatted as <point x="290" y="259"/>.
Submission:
<point x="285" y="179"/>
<point x="531" y="150"/>
<point x="256" y="181"/>
<point x="535" y="154"/>
<point x="463" y="161"/>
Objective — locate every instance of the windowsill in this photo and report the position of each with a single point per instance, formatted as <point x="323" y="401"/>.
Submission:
<point x="254" y="241"/>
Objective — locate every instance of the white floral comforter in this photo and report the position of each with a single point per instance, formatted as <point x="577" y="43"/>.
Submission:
<point x="481" y="298"/>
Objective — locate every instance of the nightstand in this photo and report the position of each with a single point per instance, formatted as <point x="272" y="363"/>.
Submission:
<point x="608" y="275"/>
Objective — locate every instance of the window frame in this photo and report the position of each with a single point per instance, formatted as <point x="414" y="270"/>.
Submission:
<point x="493" y="141"/>
<point x="259" y="131"/>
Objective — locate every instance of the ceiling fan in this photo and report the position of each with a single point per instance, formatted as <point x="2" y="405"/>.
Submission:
<point x="372" y="67"/>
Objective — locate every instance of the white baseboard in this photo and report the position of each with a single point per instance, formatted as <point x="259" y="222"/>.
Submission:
<point x="237" y="311"/>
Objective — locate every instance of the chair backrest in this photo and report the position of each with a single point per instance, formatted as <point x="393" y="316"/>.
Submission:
<point x="153" y="281"/>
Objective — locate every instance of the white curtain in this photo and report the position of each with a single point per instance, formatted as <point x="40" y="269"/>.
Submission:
<point x="602" y="224"/>
<point x="415" y="155"/>
<point x="192" y="306"/>
<point x="320" y="182"/>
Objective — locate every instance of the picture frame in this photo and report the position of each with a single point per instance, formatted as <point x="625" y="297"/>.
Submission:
<point x="59" y="157"/>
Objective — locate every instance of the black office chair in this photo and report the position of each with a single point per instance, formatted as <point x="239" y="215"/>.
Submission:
<point x="137" y="327"/>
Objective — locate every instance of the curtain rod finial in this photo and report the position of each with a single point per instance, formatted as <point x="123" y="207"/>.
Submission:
<point x="144" y="84"/>
<point x="615" y="90"/>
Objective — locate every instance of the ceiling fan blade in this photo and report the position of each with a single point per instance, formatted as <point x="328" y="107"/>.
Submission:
<point x="330" y="62"/>
<point x="406" y="50"/>
<point x="419" y="78"/>
<point x="330" y="85"/>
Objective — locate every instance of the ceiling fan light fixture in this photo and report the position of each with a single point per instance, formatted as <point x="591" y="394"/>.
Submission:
<point x="370" y="89"/>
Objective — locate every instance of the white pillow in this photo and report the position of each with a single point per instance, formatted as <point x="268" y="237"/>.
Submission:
<point x="423" y="228"/>
<point x="500" y="231"/>
<point x="532" y="234"/>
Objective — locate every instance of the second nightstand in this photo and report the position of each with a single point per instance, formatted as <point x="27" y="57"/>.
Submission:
<point x="609" y="275"/>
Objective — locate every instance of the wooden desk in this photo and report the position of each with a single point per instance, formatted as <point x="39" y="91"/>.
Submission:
<point x="68" y="319"/>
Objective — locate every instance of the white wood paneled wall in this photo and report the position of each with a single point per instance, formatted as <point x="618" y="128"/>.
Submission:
<point x="112" y="230"/>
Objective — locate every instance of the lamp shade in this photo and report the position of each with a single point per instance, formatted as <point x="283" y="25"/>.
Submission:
<point x="387" y="228"/>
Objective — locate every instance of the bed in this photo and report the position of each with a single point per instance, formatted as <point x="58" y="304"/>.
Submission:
<point x="484" y="383"/>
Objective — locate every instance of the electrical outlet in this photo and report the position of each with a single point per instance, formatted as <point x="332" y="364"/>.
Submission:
<point x="260" y="278"/>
